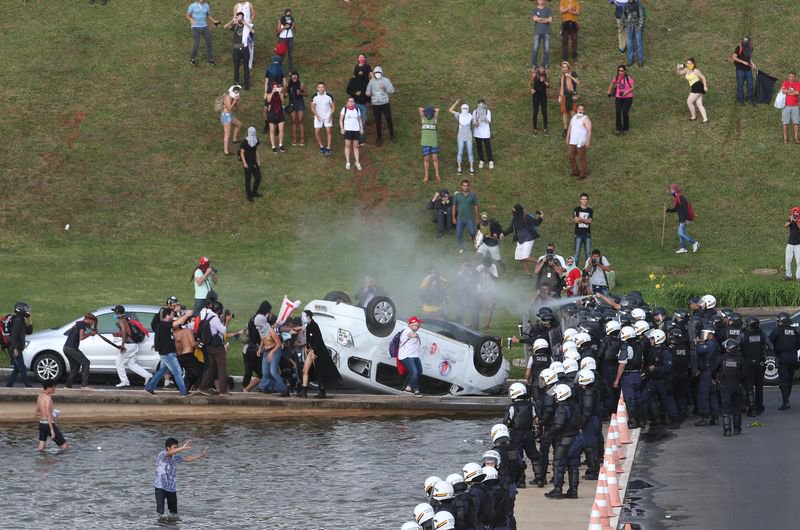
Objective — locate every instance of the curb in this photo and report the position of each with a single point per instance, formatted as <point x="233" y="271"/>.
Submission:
<point x="627" y="464"/>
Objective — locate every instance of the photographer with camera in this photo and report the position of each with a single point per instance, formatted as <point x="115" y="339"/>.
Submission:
<point x="549" y="269"/>
<point x="442" y="211"/>
<point x="597" y="266"/>
<point x="793" y="245"/>
<point x="204" y="278"/>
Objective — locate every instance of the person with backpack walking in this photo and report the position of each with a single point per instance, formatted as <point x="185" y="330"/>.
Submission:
<point x="126" y="360"/>
<point x="212" y="333"/>
<point x="621" y="89"/>
<point x="351" y="124"/>
<point x="82" y="330"/>
<point x="682" y="206"/>
<point x="20" y="326"/>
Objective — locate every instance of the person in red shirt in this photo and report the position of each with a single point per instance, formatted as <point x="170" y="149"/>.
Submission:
<point x="791" y="112"/>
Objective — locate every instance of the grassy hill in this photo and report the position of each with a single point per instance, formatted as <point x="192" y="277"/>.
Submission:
<point x="107" y="127"/>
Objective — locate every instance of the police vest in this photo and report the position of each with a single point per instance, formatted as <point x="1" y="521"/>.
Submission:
<point x="465" y="514"/>
<point x="548" y="408"/>
<point x="733" y="333"/>
<point x="610" y="349"/>
<point x="633" y="354"/>
<point x="730" y="371"/>
<point x="786" y="340"/>
<point x="523" y="415"/>
<point x="752" y="346"/>
<point x="680" y="359"/>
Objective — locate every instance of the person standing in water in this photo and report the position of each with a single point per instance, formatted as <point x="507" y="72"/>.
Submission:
<point x="46" y="413"/>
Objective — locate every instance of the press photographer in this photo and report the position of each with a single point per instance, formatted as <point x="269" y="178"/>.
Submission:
<point x="549" y="270"/>
<point x="596" y="267"/>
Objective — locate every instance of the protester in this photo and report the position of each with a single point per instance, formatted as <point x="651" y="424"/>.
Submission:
<point x="572" y="278"/>
<point x="579" y="139"/>
<point x="742" y="58"/>
<point x="793" y="245"/>
<point x="247" y="9"/>
<point x="249" y="34"/>
<point x="790" y="113"/>
<point x="126" y="360"/>
<point x="465" y="213"/>
<point x="351" y="126"/>
<point x="47" y="415"/>
<point x="166" y="472"/>
<point x="257" y="331"/>
<point x="20" y="326"/>
<point x="488" y="242"/>
<point x="230" y="102"/>
<point x="198" y="14"/>
<point x="276" y="116"/>
<point x="241" y="50"/>
<point x="185" y="344"/>
<point x="621" y="89"/>
<point x="525" y="228"/>
<point x="379" y="89"/>
<point x="680" y="205"/>
<point x="204" y="277"/>
<point x="429" y="141"/>
<point x="270" y="352"/>
<point x="273" y="75"/>
<point x="82" y="330"/>
<point x="567" y="94"/>
<point x="297" y="93"/>
<point x="542" y="18"/>
<point x="634" y="28"/>
<point x="538" y="85"/>
<point x="583" y="217"/>
<point x="409" y="354"/>
<point x="357" y="89"/>
<point x="619" y="15"/>
<point x="570" y="9"/>
<point x="287" y="28"/>
<point x="323" y="107"/>
<point x="442" y="212"/>
<point x="164" y="344"/>
<point x="317" y="357"/>
<point x="597" y="266"/>
<point x="698" y="85"/>
<point x="482" y="123"/>
<point x="251" y="162"/>
<point x="464" y="136"/>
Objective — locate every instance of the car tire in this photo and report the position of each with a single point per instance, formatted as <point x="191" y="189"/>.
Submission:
<point x="381" y="314"/>
<point x="48" y="366"/>
<point x="339" y="297"/>
<point x="771" y="371"/>
<point x="488" y="357"/>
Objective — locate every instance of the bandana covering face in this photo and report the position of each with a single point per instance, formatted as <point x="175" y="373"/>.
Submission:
<point x="252" y="139"/>
<point x="233" y="91"/>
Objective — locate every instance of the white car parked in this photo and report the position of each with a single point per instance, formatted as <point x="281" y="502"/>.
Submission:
<point x="455" y="359"/>
<point x="44" y="350"/>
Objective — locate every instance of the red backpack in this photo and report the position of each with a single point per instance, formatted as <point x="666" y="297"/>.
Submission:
<point x="5" y="330"/>
<point x="689" y="211"/>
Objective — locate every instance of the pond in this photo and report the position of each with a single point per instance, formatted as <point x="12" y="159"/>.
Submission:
<point x="305" y="474"/>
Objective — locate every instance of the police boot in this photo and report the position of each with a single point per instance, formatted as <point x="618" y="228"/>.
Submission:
<point x="591" y="466"/>
<point x="784" y="398"/>
<point x="759" y="399"/>
<point x="702" y="422"/>
<point x="574" y="476"/>
<point x="674" y="423"/>
<point x="737" y="424"/>
<point x="521" y="482"/>
<point x="726" y="425"/>
<point x="558" y="483"/>
<point x="539" y="479"/>
<point x="751" y="404"/>
<point x="714" y="420"/>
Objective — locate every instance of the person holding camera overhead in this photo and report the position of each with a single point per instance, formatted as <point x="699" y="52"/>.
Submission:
<point x="596" y="267"/>
<point x="621" y="89"/>
<point x="204" y="278"/>
<point x="698" y="85"/>
<point x="793" y="245"/>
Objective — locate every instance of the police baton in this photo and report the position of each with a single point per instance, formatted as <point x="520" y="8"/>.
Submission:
<point x="108" y="341"/>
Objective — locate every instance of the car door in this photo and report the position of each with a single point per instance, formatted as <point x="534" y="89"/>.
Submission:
<point x="102" y="355"/>
<point x="146" y="356"/>
<point x="443" y="357"/>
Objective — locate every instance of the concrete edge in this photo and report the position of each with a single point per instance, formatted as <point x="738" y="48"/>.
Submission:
<point x="631" y="451"/>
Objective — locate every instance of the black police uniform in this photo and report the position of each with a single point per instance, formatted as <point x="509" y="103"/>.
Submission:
<point x="591" y="429"/>
<point x="729" y="373"/>
<point x="568" y="445"/>
<point x="608" y="356"/>
<point x="547" y="409"/>
<point x="754" y="344"/>
<point x="465" y="512"/>
<point x="786" y="341"/>
<point x="659" y="382"/>
<point x="681" y="374"/>
<point x="519" y="419"/>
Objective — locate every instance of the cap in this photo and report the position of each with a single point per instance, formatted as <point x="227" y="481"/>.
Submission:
<point x="204" y="261"/>
<point x="444" y="192"/>
<point x="120" y="310"/>
<point x="415" y="320"/>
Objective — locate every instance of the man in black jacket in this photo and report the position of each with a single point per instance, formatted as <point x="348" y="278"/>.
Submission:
<point x="357" y="89"/>
<point x="19" y="327"/>
<point x="680" y="205"/>
<point x="442" y="211"/>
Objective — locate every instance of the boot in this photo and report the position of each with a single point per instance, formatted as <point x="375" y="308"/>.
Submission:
<point x="574" y="476"/>
<point x="591" y="466"/>
<point x="759" y="399"/>
<point x="538" y="475"/>
<point x="751" y="404"/>
<point x="304" y="392"/>
<point x="558" y="483"/>
<point x="714" y="420"/>
<point x="521" y="484"/>
<point x="726" y="425"/>
<point x="737" y="424"/>
<point x="674" y="423"/>
<point x="702" y="422"/>
<point x="321" y="394"/>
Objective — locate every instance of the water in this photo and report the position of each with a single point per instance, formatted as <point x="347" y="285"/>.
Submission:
<point x="278" y="475"/>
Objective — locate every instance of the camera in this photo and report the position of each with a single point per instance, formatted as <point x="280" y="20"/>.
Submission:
<point x="595" y="261"/>
<point x="215" y="270"/>
<point x="229" y="312"/>
<point x="681" y="65"/>
<point x="795" y="217"/>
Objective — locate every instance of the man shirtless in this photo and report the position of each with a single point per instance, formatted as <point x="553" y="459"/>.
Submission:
<point x="47" y="424"/>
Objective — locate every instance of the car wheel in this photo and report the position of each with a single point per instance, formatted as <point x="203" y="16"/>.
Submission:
<point x="337" y="296"/>
<point x="488" y="357"/>
<point x="771" y="371"/>
<point x="48" y="366"/>
<point x="381" y="314"/>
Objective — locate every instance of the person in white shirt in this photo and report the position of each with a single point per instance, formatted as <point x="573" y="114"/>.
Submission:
<point x="409" y="354"/>
<point x="579" y="138"/>
<point x="351" y="123"/>
<point x="215" y="353"/>
<point x="323" y="107"/>
<point x="482" y="123"/>
<point x="597" y="266"/>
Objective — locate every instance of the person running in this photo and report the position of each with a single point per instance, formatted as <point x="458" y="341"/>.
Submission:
<point x="276" y="117"/>
<point x="127" y="354"/>
<point x="482" y="122"/>
<point x="680" y="205"/>
<point x="621" y="89"/>
<point x="429" y="140"/>
<point x="323" y="107"/>
<point x="251" y="163"/>
<point x="351" y="124"/>
<point x="166" y="473"/>
<point x="567" y="94"/>
<point x="464" y="137"/>
<point x="47" y="415"/>
<point x="82" y="330"/>
<point x="230" y="102"/>
<point x="538" y="85"/>
<point x="297" y="102"/>
<point x="698" y="85"/>
<point x="164" y="344"/>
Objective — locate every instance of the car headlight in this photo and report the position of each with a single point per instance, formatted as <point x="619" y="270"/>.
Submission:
<point x="344" y="338"/>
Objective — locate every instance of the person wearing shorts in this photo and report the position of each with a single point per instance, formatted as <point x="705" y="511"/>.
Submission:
<point x="524" y="227"/>
<point x="351" y="123"/>
<point x="791" y="112"/>
<point x="323" y="107"/>
<point x="430" y="140"/>
<point x="47" y="415"/>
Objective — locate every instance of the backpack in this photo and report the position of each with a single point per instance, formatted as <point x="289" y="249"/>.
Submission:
<point x="253" y="336"/>
<point x="219" y="103"/>
<point x="5" y="330"/>
<point x="689" y="211"/>
<point x="138" y="331"/>
<point x="205" y="337"/>
<point x="394" y="346"/>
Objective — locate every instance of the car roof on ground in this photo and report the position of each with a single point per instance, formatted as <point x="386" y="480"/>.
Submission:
<point x="130" y="308"/>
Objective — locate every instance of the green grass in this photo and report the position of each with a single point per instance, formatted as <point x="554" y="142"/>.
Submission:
<point x="107" y="127"/>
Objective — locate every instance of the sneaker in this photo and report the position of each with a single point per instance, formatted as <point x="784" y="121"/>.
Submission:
<point x="123" y="385"/>
<point x="194" y="63"/>
<point x="471" y="171"/>
<point x="480" y="164"/>
<point x="212" y="62"/>
<point x="321" y="150"/>
<point x="695" y="246"/>
<point x="545" y="132"/>
<point x="681" y="251"/>
<point x="347" y="165"/>
<point x="417" y="394"/>
<point x="461" y="251"/>
<point x="536" y="132"/>
<point x="491" y="164"/>
<point x="169" y="383"/>
<point x="282" y="149"/>
<point x="358" y="166"/>
<point x="458" y="171"/>
<point x="274" y="149"/>
<point x="408" y="389"/>
<point x="328" y="151"/>
<point x="151" y="392"/>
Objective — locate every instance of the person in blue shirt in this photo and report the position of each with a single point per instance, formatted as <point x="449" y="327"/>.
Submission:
<point x="166" y="473"/>
<point x="199" y="13"/>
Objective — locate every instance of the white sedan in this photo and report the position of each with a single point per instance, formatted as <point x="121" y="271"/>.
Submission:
<point x="455" y="359"/>
<point x="44" y="350"/>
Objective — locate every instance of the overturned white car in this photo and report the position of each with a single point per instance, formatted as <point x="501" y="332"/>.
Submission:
<point x="455" y="359"/>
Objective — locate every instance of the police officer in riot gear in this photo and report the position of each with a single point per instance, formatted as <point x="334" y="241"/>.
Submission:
<point x="681" y="371"/>
<point x="482" y="500"/>
<point x="502" y="502"/>
<point x="734" y="327"/>
<point x="607" y="357"/>
<point x="568" y="445"/>
<point x="464" y="505"/>
<point x="706" y="353"/>
<point x="519" y="418"/>
<point x="754" y="345"/>
<point x="660" y="318"/>
<point x="659" y="383"/>
<point x="423" y="514"/>
<point x="786" y="341"/>
<point x="546" y="327"/>
<point x="729" y="373"/>
<point x="590" y="422"/>
<point x="629" y="375"/>
<point x="547" y="408"/>
<point x="539" y="359"/>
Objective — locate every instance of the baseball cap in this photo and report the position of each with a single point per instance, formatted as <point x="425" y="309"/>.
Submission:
<point x="415" y="320"/>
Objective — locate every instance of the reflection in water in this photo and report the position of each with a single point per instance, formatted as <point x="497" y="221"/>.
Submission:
<point x="278" y="475"/>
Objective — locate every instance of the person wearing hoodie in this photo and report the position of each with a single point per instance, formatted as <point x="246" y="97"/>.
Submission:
<point x="464" y="137"/>
<point x="429" y="142"/>
<point x="357" y="89"/>
<point x="379" y="89"/>
<point x="680" y="205"/>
